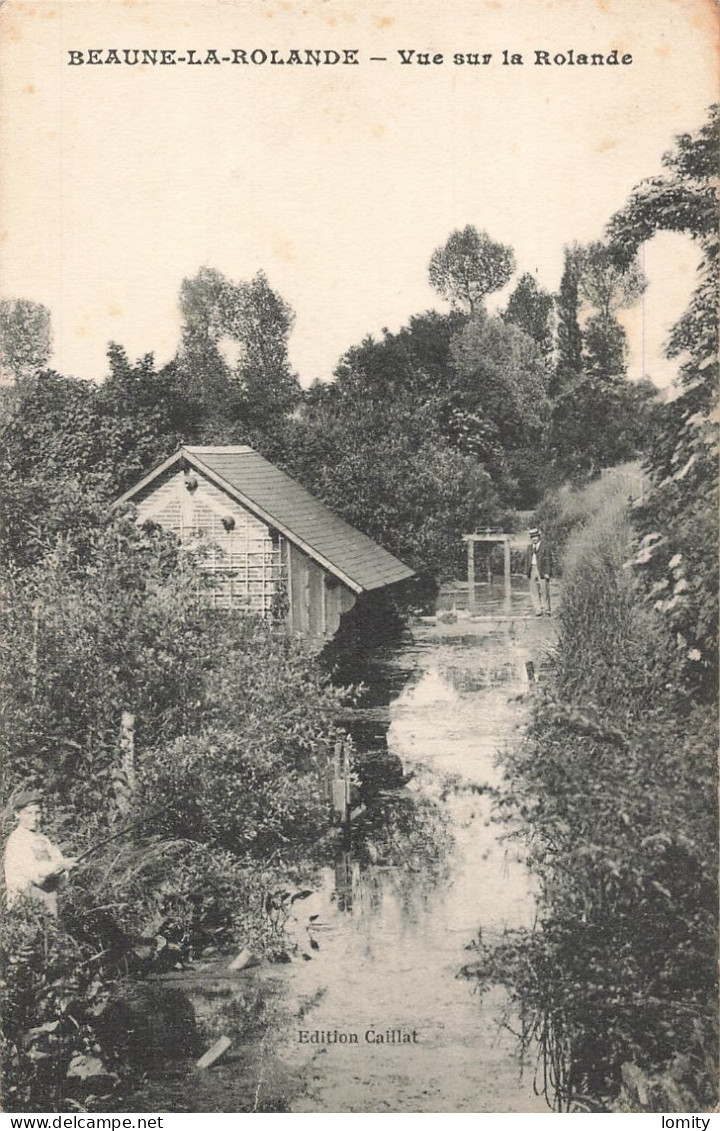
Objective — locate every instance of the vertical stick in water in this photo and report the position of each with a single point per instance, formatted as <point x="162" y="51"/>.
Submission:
<point x="471" y="574"/>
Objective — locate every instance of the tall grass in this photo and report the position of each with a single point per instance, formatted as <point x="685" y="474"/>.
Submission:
<point x="568" y="509"/>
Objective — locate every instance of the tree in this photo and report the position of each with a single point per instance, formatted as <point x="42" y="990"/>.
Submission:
<point x="569" y="337"/>
<point x="608" y="286"/>
<point x="25" y="338"/>
<point x="234" y="352"/>
<point x="606" y="283"/>
<point x="605" y="353"/>
<point x="498" y="403"/>
<point x="145" y="415"/>
<point x="261" y="321"/>
<point x="414" y="362"/>
<point x="599" y="422"/>
<point x="403" y="484"/>
<point x="531" y="309"/>
<point x="468" y="266"/>
<point x="598" y="419"/>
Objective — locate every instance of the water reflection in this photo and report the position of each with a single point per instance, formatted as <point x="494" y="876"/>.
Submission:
<point x="490" y="598"/>
<point x="399" y="850"/>
<point x="423" y="874"/>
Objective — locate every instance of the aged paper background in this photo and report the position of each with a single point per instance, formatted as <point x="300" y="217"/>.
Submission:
<point x="338" y="181"/>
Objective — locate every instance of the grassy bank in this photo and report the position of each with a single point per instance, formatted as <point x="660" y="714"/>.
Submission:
<point x="613" y="789"/>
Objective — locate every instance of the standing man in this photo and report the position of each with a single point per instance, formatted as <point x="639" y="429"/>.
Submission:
<point x="538" y="567"/>
<point x="33" y="865"/>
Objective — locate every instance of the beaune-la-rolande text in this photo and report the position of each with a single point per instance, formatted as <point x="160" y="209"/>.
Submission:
<point x="344" y="57"/>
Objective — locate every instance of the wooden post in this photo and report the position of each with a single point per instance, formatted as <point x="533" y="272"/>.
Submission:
<point x="34" y="654"/>
<point x="323" y="604"/>
<point x="506" y="551"/>
<point x="340" y="782"/>
<point x="124" y="778"/>
<point x="287" y="548"/>
<point x="346" y="784"/>
<point x="343" y="882"/>
<point x="471" y="574"/>
<point x="214" y="1052"/>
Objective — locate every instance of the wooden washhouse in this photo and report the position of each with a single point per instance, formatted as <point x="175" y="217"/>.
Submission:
<point x="271" y="547"/>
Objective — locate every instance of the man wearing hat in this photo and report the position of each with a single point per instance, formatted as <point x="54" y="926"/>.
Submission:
<point x="33" y="865"/>
<point x="538" y="567"/>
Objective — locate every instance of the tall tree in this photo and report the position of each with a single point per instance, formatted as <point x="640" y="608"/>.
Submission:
<point x="234" y="351"/>
<point x="597" y="419"/>
<point x="469" y="266"/>
<point x="261" y="321"/>
<point x="25" y="338"/>
<point x="498" y="404"/>
<point x="205" y="370"/>
<point x="531" y="309"/>
<point x="569" y="362"/>
<point x="608" y="286"/>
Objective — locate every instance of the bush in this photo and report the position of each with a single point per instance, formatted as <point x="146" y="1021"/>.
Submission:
<point x="150" y="904"/>
<point x="126" y="629"/>
<point x="52" y="994"/>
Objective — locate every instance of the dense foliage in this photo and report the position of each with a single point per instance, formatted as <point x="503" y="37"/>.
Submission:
<point x="50" y="999"/>
<point x="432" y="431"/>
<point x="123" y="626"/>
<point x="69" y="448"/>
<point x="679" y="525"/>
<point x="396" y="480"/>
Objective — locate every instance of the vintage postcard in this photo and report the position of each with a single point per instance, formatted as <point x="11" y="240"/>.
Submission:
<point x="359" y="674"/>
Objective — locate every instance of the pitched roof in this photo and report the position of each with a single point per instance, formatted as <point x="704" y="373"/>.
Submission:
<point x="277" y="499"/>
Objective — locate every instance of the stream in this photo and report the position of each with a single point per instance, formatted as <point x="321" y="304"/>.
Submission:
<point x="371" y="1016"/>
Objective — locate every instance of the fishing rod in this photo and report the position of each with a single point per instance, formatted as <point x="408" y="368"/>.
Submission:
<point x="121" y="832"/>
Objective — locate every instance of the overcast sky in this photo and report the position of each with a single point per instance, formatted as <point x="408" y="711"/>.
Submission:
<point x="117" y="182"/>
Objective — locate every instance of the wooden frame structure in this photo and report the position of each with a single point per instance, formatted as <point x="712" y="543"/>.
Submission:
<point x="492" y="537"/>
